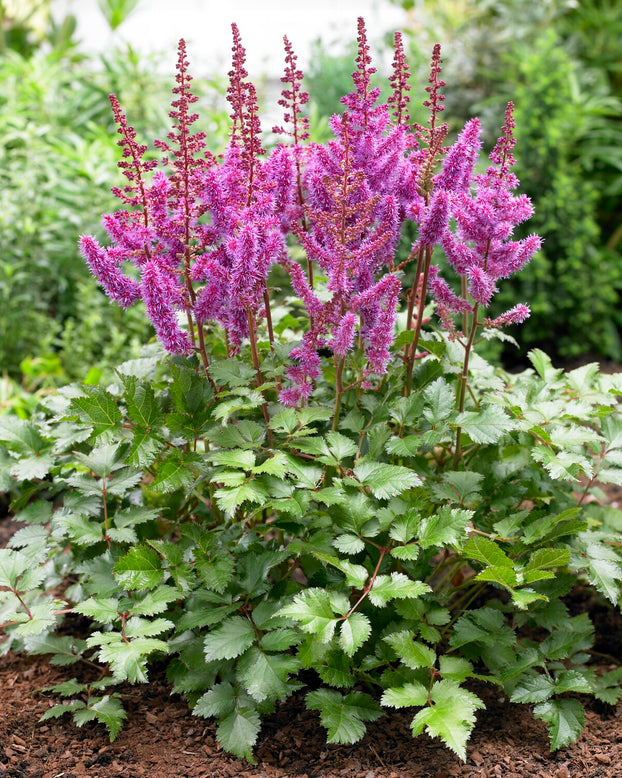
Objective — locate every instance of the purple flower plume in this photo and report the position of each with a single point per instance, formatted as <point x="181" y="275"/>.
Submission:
<point x="485" y="213"/>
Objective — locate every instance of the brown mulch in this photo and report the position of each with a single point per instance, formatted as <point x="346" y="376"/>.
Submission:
<point x="162" y="739"/>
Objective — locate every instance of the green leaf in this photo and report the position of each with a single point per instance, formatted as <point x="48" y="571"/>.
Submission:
<point x="451" y="717"/>
<point x="396" y="586"/>
<point x="348" y="544"/>
<point x="230" y="499"/>
<point x="383" y="480"/>
<point x="128" y="660"/>
<point x="232" y="638"/>
<point x="142" y="406"/>
<point x="448" y="526"/>
<point x="440" y="400"/>
<point x="178" y="471"/>
<point x="459" y="486"/>
<point x="505" y="576"/>
<point x="564" y="720"/>
<point x="265" y="676"/>
<point x="354" y="632"/>
<point x="410" y="695"/>
<point x="533" y="687"/>
<point x="486" y="551"/>
<point x="238" y="732"/>
<point x="356" y="575"/>
<point x="340" y="446"/>
<point x="405" y="527"/>
<point x="99" y="408"/>
<point x="105" y="610"/>
<point x="455" y="667"/>
<point x="604" y="569"/>
<point x="40" y="620"/>
<point x="245" y="460"/>
<point x="565" y="465"/>
<point x="544" y="558"/>
<point x="107" y="710"/>
<point x="216" y="573"/>
<point x="487" y="425"/>
<point x="344" y="716"/>
<point x="218" y="701"/>
<point x="411" y="652"/>
<point x="13" y="564"/>
<point x="313" y="611"/>
<point x="65" y="650"/>
<point x="140" y="568"/>
<point x="278" y="465"/>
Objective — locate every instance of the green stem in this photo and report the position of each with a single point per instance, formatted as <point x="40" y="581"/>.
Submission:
<point x="252" y="335"/>
<point x="422" y="292"/>
<point x="339" y="365"/>
<point x="464" y="380"/>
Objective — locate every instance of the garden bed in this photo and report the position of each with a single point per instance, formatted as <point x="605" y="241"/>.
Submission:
<point x="162" y="738"/>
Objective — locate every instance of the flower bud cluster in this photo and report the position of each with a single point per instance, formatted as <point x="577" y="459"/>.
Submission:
<point x="199" y="236"/>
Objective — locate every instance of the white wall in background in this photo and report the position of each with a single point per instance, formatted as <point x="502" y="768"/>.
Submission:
<point x="157" y="25"/>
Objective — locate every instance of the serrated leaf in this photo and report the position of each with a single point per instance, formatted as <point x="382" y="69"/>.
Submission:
<point x="178" y="471"/>
<point x="408" y="696"/>
<point x="505" y="576"/>
<point x="446" y="527"/>
<point x="65" y="650"/>
<point x="486" y="551"/>
<point x="411" y="652"/>
<point x="107" y="710"/>
<point x="356" y="575"/>
<point x="313" y="611"/>
<point x="13" y="564"/>
<point x="265" y="676"/>
<point x="30" y="468"/>
<point x="216" y="573"/>
<point x="140" y="568"/>
<point x="353" y="632"/>
<point x="440" y="401"/>
<point x="533" y="687"/>
<point x="455" y="667"/>
<point x="544" y="558"/>
<point x="218" y="701"/>
<point x="405" y="527"/>
<point x="343" y="716"/>
<point x="128" y="660"/>
<point x="238" y="732"/>
<point x="395" y="586"/>
<point x="230" y="499"/>
<point x="383" y="480"/>
<point x="348" y="544"/>
<point x="99" y="408"/>
<point x="604" y="569"/>
<point x="564" y="720"/>
<point x="243" y="459"/>
<point x="451" y="717"/>
<point x="405" y="553"/>
<point x="487" y="425"/>
<point x="232" y="638"/>
<point x="340" y="446"/>
<point x="102" y="609"/>
<point x="565" y="465"/>
<point x="41" y="618"/>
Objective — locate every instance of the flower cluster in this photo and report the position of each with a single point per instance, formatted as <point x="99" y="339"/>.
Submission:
<point x="203" y="232"/>
<point x="485" y="213"/>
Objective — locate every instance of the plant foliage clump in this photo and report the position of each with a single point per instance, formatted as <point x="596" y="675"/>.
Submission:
<point x="319" y="490"/>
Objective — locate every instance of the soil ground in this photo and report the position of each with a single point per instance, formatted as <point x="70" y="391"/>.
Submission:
<point x="162" y="739"/>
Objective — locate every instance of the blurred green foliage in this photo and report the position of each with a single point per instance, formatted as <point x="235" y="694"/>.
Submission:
<point x="58" y="160"/>
<point x="559" y="61"/>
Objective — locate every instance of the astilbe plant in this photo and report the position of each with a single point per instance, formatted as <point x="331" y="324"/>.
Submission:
<point x="325" y="487"/>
